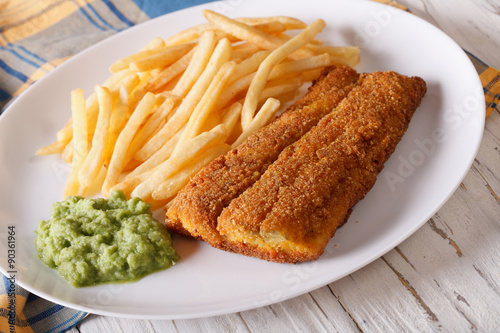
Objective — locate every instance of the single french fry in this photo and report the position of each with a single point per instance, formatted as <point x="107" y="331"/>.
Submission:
<point x="220" y="56"/>
<point x="56" y="147"/>
<point x="80" y="129"/>
<point x="95" y="158"/>
<point x="161" y="58"/>
<point x="177" y="161"/>
<point x="154" y="46"/>
<point x="265" y="115"/>
<point x="143" y="109"/>
<point x="80" y="142"/>
<point x="290" y="23"/>
<point x="199" y="61"/>
<point x="170" y="186"/>
<point x="155" y="43"/>
<point x="259" y="81"/>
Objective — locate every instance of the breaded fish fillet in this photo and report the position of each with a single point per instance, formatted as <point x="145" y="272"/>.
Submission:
<point x="196" y="208"/>
<point x="292" y="211"/>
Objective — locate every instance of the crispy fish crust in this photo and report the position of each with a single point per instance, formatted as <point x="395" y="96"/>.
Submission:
<point x="291" y="213"/>
<point x="196" y="208"/>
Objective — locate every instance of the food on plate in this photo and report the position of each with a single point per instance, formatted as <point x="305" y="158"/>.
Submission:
<point x="93" y="241"/>
<point x="286" y="207"/>
<point x="187" y="99"/>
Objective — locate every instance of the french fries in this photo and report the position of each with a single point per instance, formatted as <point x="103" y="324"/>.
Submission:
<point x="278" y="55"/>
<point x="94" y="161"/>
<point x="178" y="103"/>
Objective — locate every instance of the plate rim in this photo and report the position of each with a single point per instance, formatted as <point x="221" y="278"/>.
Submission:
<point x="76" y="57"/>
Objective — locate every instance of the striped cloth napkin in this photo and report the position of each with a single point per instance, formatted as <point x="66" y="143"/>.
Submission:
<point x="38" y="35"/>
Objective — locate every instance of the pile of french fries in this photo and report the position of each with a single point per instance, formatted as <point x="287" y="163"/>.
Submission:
<point x="169" y="109"/>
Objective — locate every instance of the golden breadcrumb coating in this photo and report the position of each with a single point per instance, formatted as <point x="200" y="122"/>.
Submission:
<point x="196" y="208"/>
<point x="291" y="213"/>
<point x="282" y="193"/>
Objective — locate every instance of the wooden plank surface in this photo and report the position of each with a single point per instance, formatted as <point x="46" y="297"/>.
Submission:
<point x="444" y="278"/>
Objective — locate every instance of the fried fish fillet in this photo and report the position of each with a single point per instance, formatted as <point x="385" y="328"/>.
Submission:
<point x="198" y="205"/>
<point x="292" y="211"/>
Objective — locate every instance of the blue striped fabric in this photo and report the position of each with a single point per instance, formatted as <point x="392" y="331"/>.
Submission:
<point x="18" y="75"/>
<point x="28" y="51"/>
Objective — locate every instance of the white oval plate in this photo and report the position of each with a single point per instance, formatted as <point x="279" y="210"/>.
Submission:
<point x="423" y="172"/>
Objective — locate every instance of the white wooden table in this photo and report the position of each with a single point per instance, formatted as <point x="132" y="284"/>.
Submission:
<point x="444" y="278"/>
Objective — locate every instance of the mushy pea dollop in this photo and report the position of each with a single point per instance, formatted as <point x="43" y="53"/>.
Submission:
<point x="92" y="241"/>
